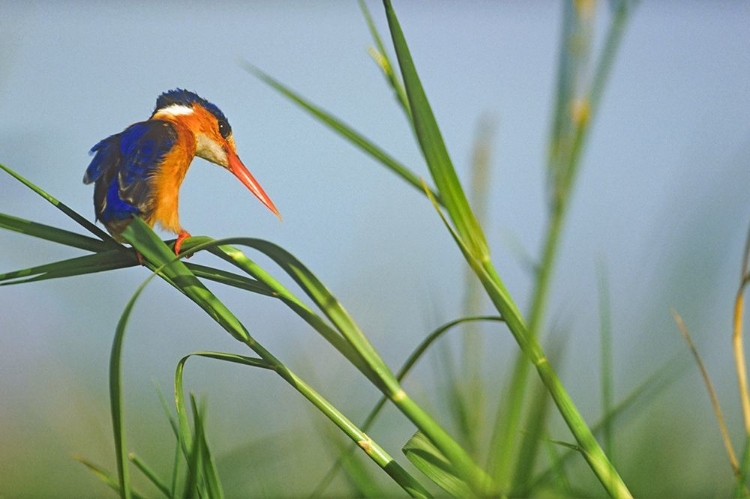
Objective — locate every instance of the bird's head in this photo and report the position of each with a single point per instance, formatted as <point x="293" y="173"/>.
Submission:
<point x="213" y="135"/>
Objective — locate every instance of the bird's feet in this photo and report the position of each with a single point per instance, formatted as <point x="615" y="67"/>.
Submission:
<point x="178" y="243"/>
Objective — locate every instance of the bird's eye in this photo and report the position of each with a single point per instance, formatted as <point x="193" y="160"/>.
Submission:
<point x="224" y="128"/>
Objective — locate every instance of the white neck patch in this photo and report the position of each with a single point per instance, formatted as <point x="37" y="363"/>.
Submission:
<point x="175" y="110"/>
<point x="209" y="150"/>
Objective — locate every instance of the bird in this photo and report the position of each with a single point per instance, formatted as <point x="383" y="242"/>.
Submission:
<point x="138" y="172"/>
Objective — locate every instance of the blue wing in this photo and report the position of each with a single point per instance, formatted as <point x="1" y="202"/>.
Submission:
<point x="122" y="167"/>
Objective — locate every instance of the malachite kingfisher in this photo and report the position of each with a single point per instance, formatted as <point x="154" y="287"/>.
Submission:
<point x="138" y="172"/>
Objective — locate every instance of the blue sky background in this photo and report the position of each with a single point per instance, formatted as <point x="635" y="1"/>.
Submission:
<point x="662" y="199"/>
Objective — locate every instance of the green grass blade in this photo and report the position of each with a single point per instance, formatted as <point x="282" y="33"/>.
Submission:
<point x="380" y="55"/>
<point x="361" y="482"/>
<point x="193" y="488"/>
<point x="63" y="207"/>
<point x="433" y="147"/>
<point x="592" y="452"/>
<point x="153" y="249"/>
<point x="534" y="429"/>
<point x="430" y="461"/>
<point x="105" y="476"/>
<point x="53" y="234"/>
<point x="208" y="466"/>
<point x="157" y="253"/>
<point x="607" y="358"/>
<point x="89" y="264"/>
<point x="115" y="393"/>
<point x="230" y="279"/>
<point x="640" y="395"/>
<point x="150" y="474"/>
<point x="377" y="371"/>
<point x="339" y="127"/>
<point x="371" y="448"/>
<point x="241" y="261"/>
<point x="331" y="307"/>
<point x="415" y="356"/>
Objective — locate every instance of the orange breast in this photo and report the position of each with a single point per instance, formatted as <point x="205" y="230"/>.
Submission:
<point x="168" y="179"/>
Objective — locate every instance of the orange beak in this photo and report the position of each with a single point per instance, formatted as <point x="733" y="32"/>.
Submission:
<point x="239" y="171"/>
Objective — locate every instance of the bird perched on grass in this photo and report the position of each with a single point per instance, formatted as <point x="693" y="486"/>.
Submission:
<point x="138" y="172"/>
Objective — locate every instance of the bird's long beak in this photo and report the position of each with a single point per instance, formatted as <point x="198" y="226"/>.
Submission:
<point x="239" y="171"/>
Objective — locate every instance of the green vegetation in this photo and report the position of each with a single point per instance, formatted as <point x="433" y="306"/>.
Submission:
<point x="505" y="461"/>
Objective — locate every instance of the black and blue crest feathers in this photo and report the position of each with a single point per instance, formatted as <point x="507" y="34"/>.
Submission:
<point x="182" y="97"/>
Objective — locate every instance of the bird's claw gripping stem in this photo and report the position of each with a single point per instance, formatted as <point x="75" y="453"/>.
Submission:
<point x="178" y="243"/>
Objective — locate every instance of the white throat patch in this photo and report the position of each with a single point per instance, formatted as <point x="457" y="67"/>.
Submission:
<point x="208" y="149"/>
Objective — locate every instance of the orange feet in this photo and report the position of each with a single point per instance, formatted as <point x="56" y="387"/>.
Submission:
<point x="178" y="243"/>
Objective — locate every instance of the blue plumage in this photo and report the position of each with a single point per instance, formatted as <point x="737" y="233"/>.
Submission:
<point x="122" y="167"/>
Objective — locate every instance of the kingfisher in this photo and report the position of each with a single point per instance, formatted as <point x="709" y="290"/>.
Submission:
<point x="138" y="172"/>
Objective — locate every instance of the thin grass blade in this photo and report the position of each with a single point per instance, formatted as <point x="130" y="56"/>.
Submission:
<point x="415" y="356"/>
<point x="83" y="265"/>
<point x="433" y="147"/>
<point x="64" y="208"/>
<point x="105" y="476"/>
<point x="358" y="476"/>
<point x="153" y="249"/>
<point x="534" y="429"/>
<point x="380" y="55"/>
<point x="339" y="127"/>
<point x="607" y="359"/>
<point x="642" y="394"/>
<point x="430" y="461"/>
<point x="331" y="307"/>
<point x="115" y="393"/>
<point x="53" y="234"/>
<point x="230" y="279"/>
<point x="156" y="252"/>
<point x="208" y="466"/>
<point x="192" y="486"/>
<point x="150" y="474"/>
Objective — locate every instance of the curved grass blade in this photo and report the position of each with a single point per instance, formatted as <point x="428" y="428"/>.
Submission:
<point x="339" y="127"/>
<point x="52" y="234"/>
<point x="153" y="249"/>
<point x="64" y="208"/>
<point x="718" y="413"/>
<point x="376" y="370"/>
<point x="183" y="428"/>
<point x="240" y="260"/>
<point x="156" y="252"/>
<point x="371" y="448"/>
<point x="327" y="302"/>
